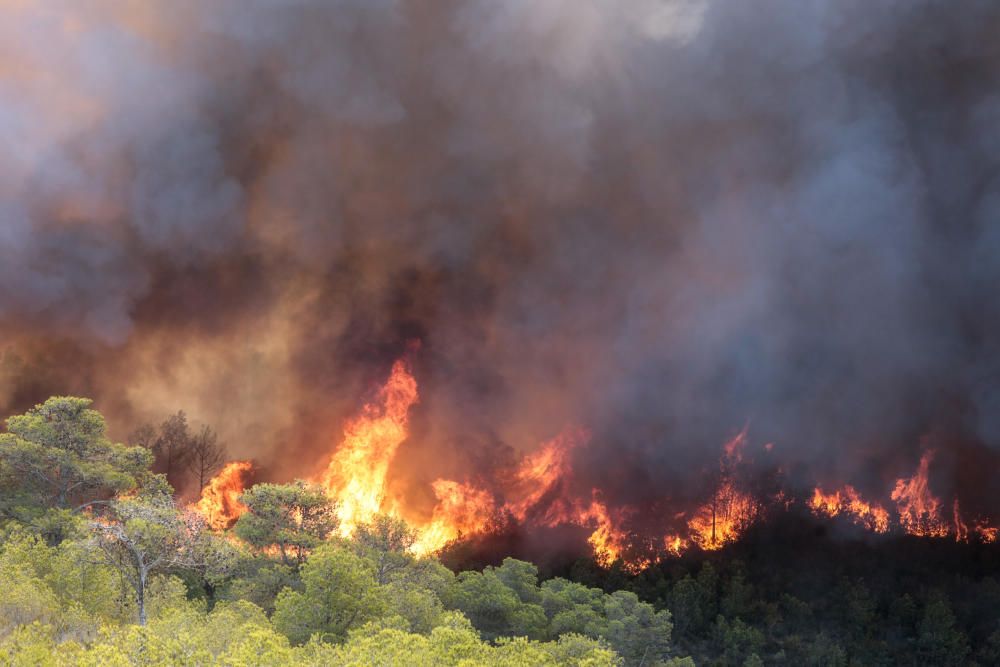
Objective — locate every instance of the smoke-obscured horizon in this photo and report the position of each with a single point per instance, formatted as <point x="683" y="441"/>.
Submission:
<point x="660" y="219"/>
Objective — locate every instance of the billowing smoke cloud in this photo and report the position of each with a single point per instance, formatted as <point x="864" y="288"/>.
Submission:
<point x="663" y="219"/>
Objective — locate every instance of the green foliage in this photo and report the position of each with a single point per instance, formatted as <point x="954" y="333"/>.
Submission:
<point x="340" y="593"/>
<point x="260" y="580"/>
<point x="739" y="642"/>
<point x="57" y="456"/>
<point x="290" y="518"/>
<point x="494" y="608"/>
<point x="508" y="601"/>
<point x="694" y="601"/>
<point x="939" y="641"/>
<point x="55" y="585"/>
<point x="634" y="628"/>
<point x="144" y="535"/>
<point x="455" y="642"/>
<point x="386" y="541"/>
<point x="280" y="590"/>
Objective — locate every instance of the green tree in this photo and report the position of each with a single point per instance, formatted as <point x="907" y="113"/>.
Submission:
<point x="637" y="631"/>
<point x="340" y="593"/>
<point x="736" y="640"/>
<point x="522" y="578"/>
<point x="737" y="595"/>
<point x="824" y="652"/>
<point x="939" y="642"/>
<point x="494" y="608"/>
<point x="694" y="601"/>
<point x="259" y="580"/>
<point x="145" y="535"/>
<point x="386" y="541"/>
<point x="62" y="458"/>
<point x="60" y="583"/>
<point x="291" y="518"/>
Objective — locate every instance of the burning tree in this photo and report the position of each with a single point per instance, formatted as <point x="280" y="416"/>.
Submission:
<point x="220" y="502"/>
<point x="142" y="536"/>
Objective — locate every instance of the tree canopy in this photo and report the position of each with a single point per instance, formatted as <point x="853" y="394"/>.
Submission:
<point x="292" y="519"/>
<point x="57" y="456"/>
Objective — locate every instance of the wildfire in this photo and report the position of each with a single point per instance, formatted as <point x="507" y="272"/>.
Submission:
<point x="724" y="518"/>
<point x="541" y="490"/>
<point x="537" y="478"/>
<point x="987" y="533"/>
<point x="462" y="509"/>
<point x="607" y="541"/>
<point x="356" y="474"/>
<point x="919" y="510"/>
<point x="220" y="499"/>
<point x="675" y="545"/>
<point x="849" y="502"/>
<point x="730" y="511"/>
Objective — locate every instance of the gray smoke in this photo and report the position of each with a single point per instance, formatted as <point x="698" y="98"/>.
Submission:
<point x="664" y="219"/>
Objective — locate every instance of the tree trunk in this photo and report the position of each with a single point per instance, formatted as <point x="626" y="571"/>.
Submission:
<point x="140" y="597"/>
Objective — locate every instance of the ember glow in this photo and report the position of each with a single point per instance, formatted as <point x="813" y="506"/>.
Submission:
<point x="220" y="499"/>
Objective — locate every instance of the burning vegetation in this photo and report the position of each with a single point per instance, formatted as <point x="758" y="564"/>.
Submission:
<point x="220" y="499"/>
<point x="541" y="491"/>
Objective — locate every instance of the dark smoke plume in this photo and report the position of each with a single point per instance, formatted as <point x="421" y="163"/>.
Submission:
<point x="663" y="219"/>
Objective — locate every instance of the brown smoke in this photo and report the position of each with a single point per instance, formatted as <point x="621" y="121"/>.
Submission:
<point x="661" y="219"/>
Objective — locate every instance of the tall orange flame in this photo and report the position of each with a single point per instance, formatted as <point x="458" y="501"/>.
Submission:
<point x="356" y="474"/>
<point x="607" y="541"/>
<point x="219" y="503"/>
<point x="730" y="511"/>
<point x="538" y="477"/>
<point x="919" y="510"/>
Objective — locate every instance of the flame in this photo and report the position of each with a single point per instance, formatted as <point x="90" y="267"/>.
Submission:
<point x="730" y="511"/>
<point x="541" y="491"/>
<point x="849" y="502"/>
<point x="724" y="518"/>
<point x="919" y="510"/>
<point x="540" y="497"/>
<point x="462" y="509"/>
<point x="540" y="474"/>
<point x="987" y="533"/>
<point x="961" y="529"/>
<point x="356" y="474"/>
<point x="675" y="545"/>
<point x="537" y="495"/>
<point x="607" y="541"/>
<point x="220" y="499"/>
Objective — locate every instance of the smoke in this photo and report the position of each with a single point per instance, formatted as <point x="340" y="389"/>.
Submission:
<point x="661" y="219"/>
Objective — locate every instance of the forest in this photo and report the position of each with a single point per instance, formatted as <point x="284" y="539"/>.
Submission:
<point x="101" y="564"/>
